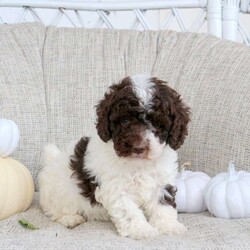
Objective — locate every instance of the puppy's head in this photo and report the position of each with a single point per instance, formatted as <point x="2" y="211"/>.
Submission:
<point x="141" y="115"/>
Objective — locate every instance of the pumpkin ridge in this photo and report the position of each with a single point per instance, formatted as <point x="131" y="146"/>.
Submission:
<point x="241" y="196"/>
<point x="212" y="195"/>
<point x="28" y="184"/>
<point x="2" y="210"/>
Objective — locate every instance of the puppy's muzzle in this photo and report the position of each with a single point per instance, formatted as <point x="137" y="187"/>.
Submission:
<point x="141" y="150"/>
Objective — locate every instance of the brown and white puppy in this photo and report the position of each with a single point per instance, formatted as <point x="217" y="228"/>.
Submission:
<point x="126" y="171"/>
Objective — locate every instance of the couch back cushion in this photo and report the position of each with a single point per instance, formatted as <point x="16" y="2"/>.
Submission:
<point x="215" y="82"/>
<point x="211" y="74"/>
<point x="22" y="96"/>
<point x="69" y="70"/>
<point x="79" y="65"/>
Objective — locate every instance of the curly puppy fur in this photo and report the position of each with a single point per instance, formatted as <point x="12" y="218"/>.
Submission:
<point x="126" y="171"/>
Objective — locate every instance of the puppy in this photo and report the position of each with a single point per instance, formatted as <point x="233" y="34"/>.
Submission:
<point x="124" y="172"/>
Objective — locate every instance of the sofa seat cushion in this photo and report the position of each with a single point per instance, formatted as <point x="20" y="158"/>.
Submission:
<point x="204" y="232"/>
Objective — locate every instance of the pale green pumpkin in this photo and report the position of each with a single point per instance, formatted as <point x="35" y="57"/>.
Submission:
<point x="16" y="187"/>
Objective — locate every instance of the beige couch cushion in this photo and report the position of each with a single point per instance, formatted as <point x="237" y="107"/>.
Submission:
<point x="211" y="74"/>
<point x="204" y="232"/>
<point x="22" y="96"/>
<point x="79" y="65"/>
<point x="215" y="81"/>
<point x="51" y="79"/>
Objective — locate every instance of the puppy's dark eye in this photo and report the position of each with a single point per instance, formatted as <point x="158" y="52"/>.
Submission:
<point x="124" y="121"/>
<point x="160" y="126"/>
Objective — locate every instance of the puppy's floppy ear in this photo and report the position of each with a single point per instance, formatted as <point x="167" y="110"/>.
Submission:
<point x="177" y="111"/>
<point x="180" y="114"/>
<point x="103" y="111"/>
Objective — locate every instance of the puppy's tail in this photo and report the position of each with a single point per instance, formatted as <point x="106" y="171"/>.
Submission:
<point x="51" y="153"/>
<point x="54" y="158"/>
<point x="52" y="178"/>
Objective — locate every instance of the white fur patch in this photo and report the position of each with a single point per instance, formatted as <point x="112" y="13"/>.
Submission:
<point x="143" y="88"/>
<point x="154" y="145"/>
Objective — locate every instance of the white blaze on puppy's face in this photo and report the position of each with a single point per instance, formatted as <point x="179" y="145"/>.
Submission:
<point x="155" y="145"/>
<point x="142" y="86"/>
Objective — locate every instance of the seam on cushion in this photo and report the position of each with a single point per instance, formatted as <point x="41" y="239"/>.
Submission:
<point x="44" y="79"/>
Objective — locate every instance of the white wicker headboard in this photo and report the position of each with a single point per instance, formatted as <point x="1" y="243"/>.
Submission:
<point x="218" y="17"/>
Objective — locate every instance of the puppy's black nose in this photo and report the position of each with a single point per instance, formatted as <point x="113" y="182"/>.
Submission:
<point x="138" y="150"/>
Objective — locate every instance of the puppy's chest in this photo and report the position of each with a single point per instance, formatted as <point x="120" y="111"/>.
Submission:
<point x="143" y="186"/>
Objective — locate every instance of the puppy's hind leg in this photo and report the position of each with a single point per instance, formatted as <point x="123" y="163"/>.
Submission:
<point x="70" y="221"/>
<point x="59" y="194"/>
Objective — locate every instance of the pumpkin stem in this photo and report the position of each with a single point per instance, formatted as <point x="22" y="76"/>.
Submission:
<point x="184" y="165"/>
<point x="231" y="170"/>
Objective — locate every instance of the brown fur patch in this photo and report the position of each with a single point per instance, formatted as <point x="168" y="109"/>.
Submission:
<point x="171" y="111"/>
<point x="87" y="183"/>
<point x="169" y="199"/>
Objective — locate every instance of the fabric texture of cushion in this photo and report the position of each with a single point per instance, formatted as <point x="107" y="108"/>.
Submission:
<point x="52" y="78"/>
<point x="204" y="232"/>
<point x="22" y="95"/>
<point x="211" y="74"/>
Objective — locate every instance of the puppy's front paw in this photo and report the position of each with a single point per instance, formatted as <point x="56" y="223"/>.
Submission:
<point x="137" y="232"/>
<point x="170" y="227"/>
<point x="71" y="221"/>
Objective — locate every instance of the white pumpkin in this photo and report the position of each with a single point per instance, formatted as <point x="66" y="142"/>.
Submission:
<point x="189" y="197"/>
<point x="9" y="137"/>
<point x="16" y="187"/>
<point x="227" y="195"/>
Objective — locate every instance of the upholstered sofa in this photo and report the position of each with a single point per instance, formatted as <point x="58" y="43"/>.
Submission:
<point x="51" y="79"/>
